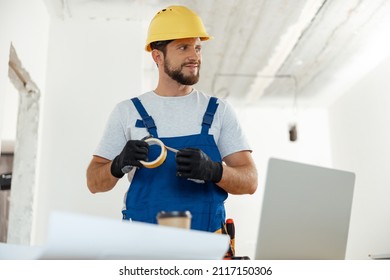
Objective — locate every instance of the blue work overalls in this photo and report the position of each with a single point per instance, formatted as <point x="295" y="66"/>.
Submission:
<point x="159" y="189"/>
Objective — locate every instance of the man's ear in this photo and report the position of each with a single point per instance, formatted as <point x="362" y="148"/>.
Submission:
<point x="157" y="56"/>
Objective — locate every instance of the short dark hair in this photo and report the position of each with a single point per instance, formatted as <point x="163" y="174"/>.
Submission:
<point x="160" y="45"/>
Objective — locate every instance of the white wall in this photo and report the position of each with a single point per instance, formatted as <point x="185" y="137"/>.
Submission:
<point x="92" y="65"/>
<point x="9" y="114"/>
<point x="360" y="139"/>
<point x="24" y="24"/>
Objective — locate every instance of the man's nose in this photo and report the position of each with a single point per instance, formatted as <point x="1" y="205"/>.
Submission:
<point x="194" y="54"/>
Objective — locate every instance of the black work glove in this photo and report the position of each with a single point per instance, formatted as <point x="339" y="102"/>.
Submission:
<point x="132" y="153"/>
<point x="193" y="163"/>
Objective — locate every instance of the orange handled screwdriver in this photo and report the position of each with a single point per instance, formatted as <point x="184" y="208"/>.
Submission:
<point x="231" y="231"/>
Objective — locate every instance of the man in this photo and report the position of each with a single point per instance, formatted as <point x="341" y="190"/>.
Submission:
<point x="213" y="157"/>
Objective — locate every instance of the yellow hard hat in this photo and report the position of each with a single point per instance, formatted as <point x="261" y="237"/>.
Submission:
<point x="175" y="22"/>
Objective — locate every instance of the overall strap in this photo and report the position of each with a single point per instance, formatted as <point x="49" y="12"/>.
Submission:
<point x="209" y="115"/>
<point x="146" y="119"/>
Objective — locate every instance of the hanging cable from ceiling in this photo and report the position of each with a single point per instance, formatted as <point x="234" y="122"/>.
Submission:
<point x="293" y="131"/>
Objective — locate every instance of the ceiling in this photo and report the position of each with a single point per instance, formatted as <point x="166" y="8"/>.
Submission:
<point x="270" y="52"/>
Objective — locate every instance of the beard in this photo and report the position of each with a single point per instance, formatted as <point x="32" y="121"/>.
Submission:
<point x="178" y="76"/>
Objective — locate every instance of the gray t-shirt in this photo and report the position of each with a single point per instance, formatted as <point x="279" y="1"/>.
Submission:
<point x="173" y="116"/>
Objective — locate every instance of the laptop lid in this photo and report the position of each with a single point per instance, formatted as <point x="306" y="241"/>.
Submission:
<point x="305" y="212"/>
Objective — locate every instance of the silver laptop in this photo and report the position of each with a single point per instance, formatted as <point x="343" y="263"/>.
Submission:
<point x="305" y="212"/>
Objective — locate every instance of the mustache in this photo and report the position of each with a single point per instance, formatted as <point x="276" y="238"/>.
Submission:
<point x="191" y="62"/>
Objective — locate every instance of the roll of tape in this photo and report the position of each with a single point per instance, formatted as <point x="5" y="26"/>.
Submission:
<point x="160" y="159"/>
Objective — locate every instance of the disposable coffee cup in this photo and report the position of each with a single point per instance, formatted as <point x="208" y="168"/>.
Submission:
<point x="180" y="219"/>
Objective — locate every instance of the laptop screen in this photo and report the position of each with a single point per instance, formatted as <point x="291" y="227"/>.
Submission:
<point x="305" y="212"/>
